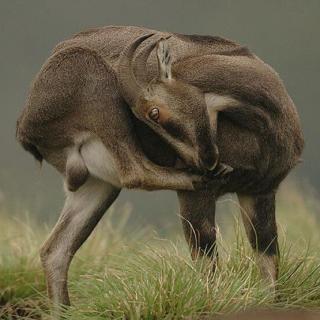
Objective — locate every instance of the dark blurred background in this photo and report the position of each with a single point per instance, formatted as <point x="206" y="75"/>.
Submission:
<point x="283" y="33"/>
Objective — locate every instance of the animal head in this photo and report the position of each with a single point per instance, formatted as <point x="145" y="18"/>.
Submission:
<point x="174" y="110"/>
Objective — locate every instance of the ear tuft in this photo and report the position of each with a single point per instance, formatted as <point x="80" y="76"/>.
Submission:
<point x="164" y="60"/>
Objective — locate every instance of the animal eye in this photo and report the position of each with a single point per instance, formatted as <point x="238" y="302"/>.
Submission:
<point x="154" y="114"/>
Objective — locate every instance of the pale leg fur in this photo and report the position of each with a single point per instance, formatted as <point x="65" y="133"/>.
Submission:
<point x="80" y="214"/>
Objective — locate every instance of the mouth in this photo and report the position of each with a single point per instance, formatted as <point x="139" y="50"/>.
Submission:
<point x="199" y="170"/>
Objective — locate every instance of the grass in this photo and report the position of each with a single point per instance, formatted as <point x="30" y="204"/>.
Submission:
<point x="140" y="276"/>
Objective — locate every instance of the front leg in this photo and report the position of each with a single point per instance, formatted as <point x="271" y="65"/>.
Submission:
<point x="258" y="215"/>
<point x="216" y="103"/>
<point x="197" y="210"/>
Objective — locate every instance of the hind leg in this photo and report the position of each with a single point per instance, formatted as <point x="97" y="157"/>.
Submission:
<point x="258" y="214"/>
<point x="197" y="210"/>
<point x="80" y="214"/>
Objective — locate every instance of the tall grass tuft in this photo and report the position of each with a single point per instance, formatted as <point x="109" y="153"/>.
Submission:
<point x="137" y="275"/>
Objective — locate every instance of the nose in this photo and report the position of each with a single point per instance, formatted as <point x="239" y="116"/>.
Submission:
<point x="209" y="159"/>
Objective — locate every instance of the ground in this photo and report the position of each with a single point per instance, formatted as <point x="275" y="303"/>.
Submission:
<point x="138" y="275"/>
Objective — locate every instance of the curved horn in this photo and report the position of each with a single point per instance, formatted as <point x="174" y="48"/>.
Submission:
<point x="129" y="86"/>
<point x="141" y="59"/>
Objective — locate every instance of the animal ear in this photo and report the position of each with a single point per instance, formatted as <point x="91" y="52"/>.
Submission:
<point x="164" y="60"/>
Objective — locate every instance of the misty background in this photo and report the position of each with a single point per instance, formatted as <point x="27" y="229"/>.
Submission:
<point x="285" y="34"/>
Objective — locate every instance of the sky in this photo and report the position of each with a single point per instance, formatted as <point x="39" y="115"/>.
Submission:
<point x="285" y="34"/>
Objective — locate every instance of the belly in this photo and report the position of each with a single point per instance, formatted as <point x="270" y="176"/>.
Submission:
<point x="100" y="162"/>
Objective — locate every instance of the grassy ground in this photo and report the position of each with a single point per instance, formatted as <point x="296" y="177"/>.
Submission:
<point x="140" y="276"/>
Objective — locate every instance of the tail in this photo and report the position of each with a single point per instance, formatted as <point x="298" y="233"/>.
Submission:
<point x="27" y="145"/>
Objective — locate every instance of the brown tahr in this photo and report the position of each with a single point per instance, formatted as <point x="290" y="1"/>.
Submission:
<point x="129" y="107"/>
